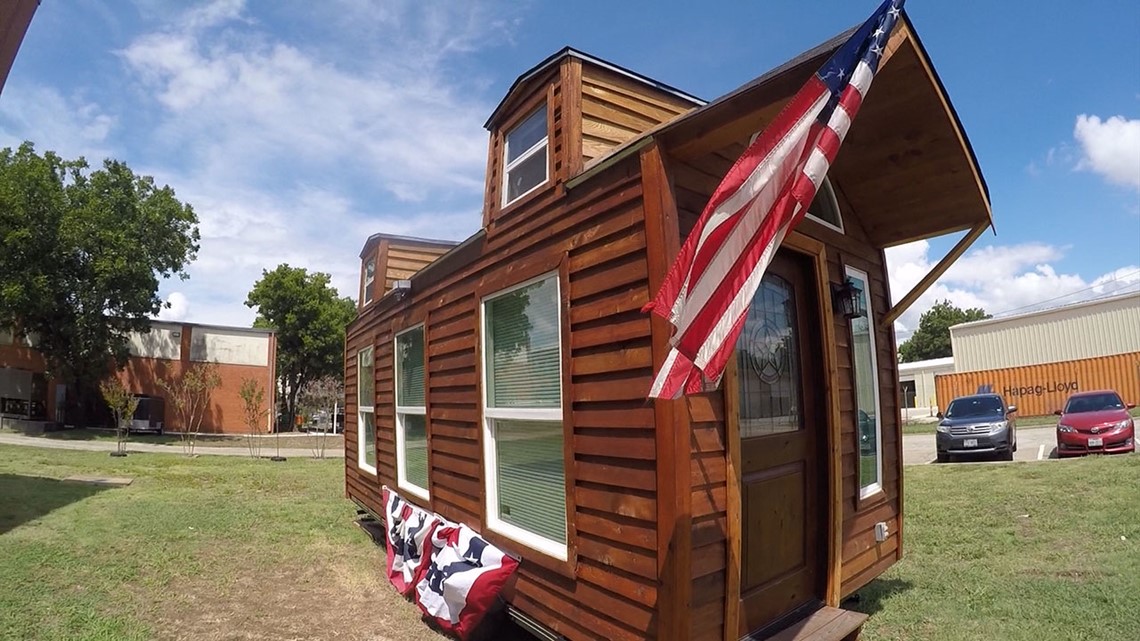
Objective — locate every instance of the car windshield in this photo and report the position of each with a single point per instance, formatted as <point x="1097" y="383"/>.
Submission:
<point x="975" y="406"/>
<point x="1094" y="403"/>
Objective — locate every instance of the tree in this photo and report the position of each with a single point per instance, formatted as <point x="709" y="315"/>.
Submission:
<point x="190" y="394"/>
<point x="81" y="255"/>
<point x="932" y="338"/>
<point x="310" y="318"/>
<point x="320" y="397"/>
<point x="253" y="404"/>
<point x="123" y="405"/>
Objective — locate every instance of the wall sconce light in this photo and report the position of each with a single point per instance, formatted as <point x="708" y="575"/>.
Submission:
<point x="848" y="300"/>
<point x="402" y="288"/>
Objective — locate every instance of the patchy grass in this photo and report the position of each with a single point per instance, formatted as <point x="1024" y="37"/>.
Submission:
<point x="208" y="548"/>
<point x="1015" y="552"/>
<point x="268" y="442"/>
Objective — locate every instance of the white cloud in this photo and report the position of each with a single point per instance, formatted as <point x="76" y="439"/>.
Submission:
<point x="69" y="126"/>
<point x="1111" y="148"/>
<point x="178" y="307"/>
<point x="999" y="279"/>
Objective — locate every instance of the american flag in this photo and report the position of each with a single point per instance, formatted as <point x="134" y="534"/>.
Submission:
<point x="766" y="193"/>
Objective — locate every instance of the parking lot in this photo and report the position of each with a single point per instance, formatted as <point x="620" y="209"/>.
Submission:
<point x="1033" y="444"/>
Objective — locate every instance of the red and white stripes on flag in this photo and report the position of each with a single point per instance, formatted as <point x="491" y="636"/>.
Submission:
<point x="710" y="285"/>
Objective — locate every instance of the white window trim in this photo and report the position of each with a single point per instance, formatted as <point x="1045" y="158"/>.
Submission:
<point x="368" y="281"/>
<point x="877" y="486"/>
<point x="361" y="410"/>
<point x="401" y="453"/>
<point x="547" y="546"/>
<point x="507" y="167"/>
<point x="828" y="191"/>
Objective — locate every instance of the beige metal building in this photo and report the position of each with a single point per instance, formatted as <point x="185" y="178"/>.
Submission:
<point x="916" y="387"/>
<point x="1103" y="327"/>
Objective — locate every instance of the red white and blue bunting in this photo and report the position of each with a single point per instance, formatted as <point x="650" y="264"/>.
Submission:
<point x="451" y="572"/>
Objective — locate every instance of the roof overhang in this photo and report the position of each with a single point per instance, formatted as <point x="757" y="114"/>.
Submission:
<point x="15" y="16"/>
<point x="906" y="165"/>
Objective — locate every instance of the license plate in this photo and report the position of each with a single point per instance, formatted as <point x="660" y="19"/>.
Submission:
<point x="970" y="442"/>
<point x="1096" y="442"/>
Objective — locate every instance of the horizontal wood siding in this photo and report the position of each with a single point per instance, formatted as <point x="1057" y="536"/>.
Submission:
<point x="708" y="467"/>
<point x="598" y="235"/>
<point x="405" y="259"/>
<point x="615" y="109"/>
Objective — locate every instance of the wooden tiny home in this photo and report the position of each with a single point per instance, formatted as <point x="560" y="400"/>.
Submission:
<point x="505" y="384"/>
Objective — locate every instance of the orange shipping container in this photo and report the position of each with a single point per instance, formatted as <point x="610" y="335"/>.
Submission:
<point x="1040" y="389"/>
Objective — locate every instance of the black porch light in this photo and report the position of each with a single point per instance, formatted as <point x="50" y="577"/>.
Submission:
<point x="848" y="299"/>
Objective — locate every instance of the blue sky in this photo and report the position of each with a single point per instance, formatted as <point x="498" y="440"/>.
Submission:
<point x="296" y="129"/>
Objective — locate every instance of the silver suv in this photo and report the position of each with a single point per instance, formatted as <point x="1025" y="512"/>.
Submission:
<point x="978" y="424"/>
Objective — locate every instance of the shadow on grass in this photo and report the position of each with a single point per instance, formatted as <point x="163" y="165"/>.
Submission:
<point x="27" y="498"/>
<point x="869" y="600"/>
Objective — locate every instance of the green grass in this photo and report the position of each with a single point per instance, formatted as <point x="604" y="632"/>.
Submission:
<point x="1030" y="552"/>
<point x="205" y="548"/>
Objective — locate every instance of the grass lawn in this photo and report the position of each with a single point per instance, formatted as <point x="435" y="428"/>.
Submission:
<point x="206" y="548"/>
<point x="1033" y="551"/>
<point x="268" y="442"/>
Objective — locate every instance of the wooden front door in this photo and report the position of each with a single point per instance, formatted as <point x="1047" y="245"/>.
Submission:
<point x="778" y="408"/>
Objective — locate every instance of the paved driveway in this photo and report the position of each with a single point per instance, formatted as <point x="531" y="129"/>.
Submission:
<point x="1033" y="443"/>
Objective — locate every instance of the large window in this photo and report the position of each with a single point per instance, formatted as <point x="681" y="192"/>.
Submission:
<point x="868" y="418"/>
<point x="366" y="411"/>
<point x="411" y="413"/>
<point x="522" y="387"/>
<point x="525" y="162"/>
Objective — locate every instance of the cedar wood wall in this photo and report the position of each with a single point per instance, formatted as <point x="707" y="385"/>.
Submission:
<point x="597" y="235"/>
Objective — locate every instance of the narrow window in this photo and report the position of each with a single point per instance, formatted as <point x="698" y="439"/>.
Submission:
<point x="369" y="278"/>
<point x="366" y="411"/>
<point x="825" y="208"/>
<point x="525" y="164"/>
<point x="522" y="387"/>
<point x="411" y="413"/>
<point x="869" y="427"/>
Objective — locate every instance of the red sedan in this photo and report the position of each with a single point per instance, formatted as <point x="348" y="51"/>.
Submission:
<point x="1095" y="422"/>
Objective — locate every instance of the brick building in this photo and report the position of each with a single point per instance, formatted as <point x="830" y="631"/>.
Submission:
<point x="165" y="351"/>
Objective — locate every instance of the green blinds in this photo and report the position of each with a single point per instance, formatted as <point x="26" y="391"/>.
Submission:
<point x="522" y="335"/>
<point x="366" y="379"/>
<point x="410" y="368"/>
<point x="532" y="484"/>
<point x="415" y="449"/>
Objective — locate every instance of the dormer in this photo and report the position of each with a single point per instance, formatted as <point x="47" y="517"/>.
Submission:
<point x="560" y="117"/>
<point x="387" y="258"/>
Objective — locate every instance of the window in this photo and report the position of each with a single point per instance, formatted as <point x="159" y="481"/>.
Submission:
<point x="369" y="278"/>
<point x="525" y="164"/>
<point x="870" y="428"/>
<point x="411" y="413"/>
<point x="366" y="411"/>
<point x="522" y="387"/>
<point x="824" y="209"/>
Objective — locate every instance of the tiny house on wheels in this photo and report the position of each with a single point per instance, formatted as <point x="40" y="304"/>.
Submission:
<point x="504" y="384"/>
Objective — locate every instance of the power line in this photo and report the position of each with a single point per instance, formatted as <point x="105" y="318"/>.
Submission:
<point x="1076" y="291"/>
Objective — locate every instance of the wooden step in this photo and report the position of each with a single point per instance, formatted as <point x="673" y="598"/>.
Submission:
<point x="825" y="624"/>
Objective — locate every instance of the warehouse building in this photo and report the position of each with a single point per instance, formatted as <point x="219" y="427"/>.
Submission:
<point x="917" y="397"/>
<point x="26" y="392"/>
<point x="1037" y="359"/>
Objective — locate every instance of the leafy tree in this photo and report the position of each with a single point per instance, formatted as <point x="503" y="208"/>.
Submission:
<point x="253" y="405"/>
<point x="123" y="405"/>
<point x="932" y="338"/>
<point x="190" y="391"/>
<point x="310" y="318"/>
<point x="81" y="255"/>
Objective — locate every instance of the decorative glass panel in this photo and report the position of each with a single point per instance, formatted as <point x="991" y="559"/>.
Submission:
<point x="368" y="438"/>
<point x="531" y="478"/>
<point x="768" y="362"/>
<point x="522" y="355"/>
<point x="410" y="368"/>
<point x="415" y="449"/>
<point x="866" y="392"/>
<point x="366" y="379"/>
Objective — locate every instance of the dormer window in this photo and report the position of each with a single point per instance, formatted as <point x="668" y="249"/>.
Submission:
<point x="369" y="278"/>
<point x="525" y="163"/>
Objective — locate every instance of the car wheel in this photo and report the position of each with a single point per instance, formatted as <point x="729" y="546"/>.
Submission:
<point x="1007" y="455"/>
<point x="943" y="457"/>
